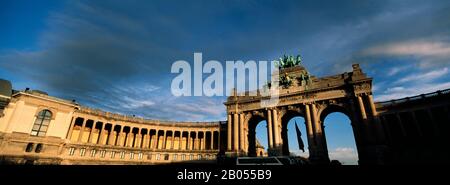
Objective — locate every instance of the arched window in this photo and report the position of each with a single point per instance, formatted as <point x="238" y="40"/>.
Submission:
<point x="41" y="124"/>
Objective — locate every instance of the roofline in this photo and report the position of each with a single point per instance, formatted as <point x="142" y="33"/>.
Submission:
<point x="46" y="97"/>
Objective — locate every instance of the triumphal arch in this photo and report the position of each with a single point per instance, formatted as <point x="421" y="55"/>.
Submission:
<point x="302" y="94"/>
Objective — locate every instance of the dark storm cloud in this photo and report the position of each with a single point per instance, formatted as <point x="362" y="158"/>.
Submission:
<point x="117" y="56"/>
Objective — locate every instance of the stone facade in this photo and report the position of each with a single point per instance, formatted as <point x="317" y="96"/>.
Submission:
<point x="312" y="98"/>
<point x="417" y="128"/>
<point x="40" y="129"/>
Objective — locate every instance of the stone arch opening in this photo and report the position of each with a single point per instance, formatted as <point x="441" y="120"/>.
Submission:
<point x="288" y="132"/>
<point x="253" y="122"/>
<point x="338" y="133"/>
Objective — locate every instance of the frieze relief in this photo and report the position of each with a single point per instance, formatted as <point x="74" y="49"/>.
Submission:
<point x="363" y="87"/>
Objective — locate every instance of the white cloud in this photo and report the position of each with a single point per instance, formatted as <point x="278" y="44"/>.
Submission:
<point x="345" y="155"/>
<point x="396" y="70"/>
<point x="131" y="103"/>
<point x="425" y="77"/>
<point x="301" y="153"/>
<point x="414" y="48"/>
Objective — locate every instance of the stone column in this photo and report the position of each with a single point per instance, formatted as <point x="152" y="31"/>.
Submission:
<point x="126" y="138"/>
<point x="317" y="126"/>
<point x="112" y="137"/>
<point x="120" y="136"/>
<point x="173" y="140"/>
<point x="188" y="140"/>
<point x="164" y="140"/>
<point x="236" y="132"/>
<point x="269" y="128"/>
<point x="101" y="134"/>
<point x="149" y="142"/>
<point x="180" y="140"/>
<point x="368" y="134"/>
<point x="416" y="124"/>
<point x="241" y="132"/>
<point x="91" y="132"/>
<point x="82" y="130"/>
<point x="400" y="122"/>
<point x="138" y="140"/>
<point x="194" y="141"/>
<point x="130" y="138"/>
<point x="361" y="108"/>
<point x="229" y="132"/>
<point x="372" y="106"/>
<point x="377" y="127"/>
<point x="150" y="139"/>
<point x="276" y="130"/>
<point x="72" y="125"/>
<point x="433" y="122"/>
<point x="246" y="138"/>
<point x="212" y="140"/>
<point x="309" y="126"/>
<point x="145" y="140"/>
<point x="204" y="141"/>
<point x="157" y="139"/>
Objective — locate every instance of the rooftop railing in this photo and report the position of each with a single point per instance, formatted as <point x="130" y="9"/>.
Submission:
<point x="412" y="98"/>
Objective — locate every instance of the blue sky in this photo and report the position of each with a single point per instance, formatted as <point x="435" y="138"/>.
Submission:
<point x="117" y="55"/>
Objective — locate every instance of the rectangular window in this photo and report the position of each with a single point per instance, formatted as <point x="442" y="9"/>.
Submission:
<point x="113" y="154"/>
<point x="82" y="151"/>
<point x="166" y="157"/>
<point x="71" y="151"/>
<point x="93" y="153"/>
<point x="158" y="157"/>
<point x="191" y="157"/>
<point x="122" y="155"/>
<point x="102" y="153"/>
<point x="131" y="155"/>
<point x="183" y="157"/>
<point x="149" y="157"/>
<point x="199" y="157"/>
<point x="140" y="156"/>
<point x="34" y="133"/>
<point x="174" y="157"/>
